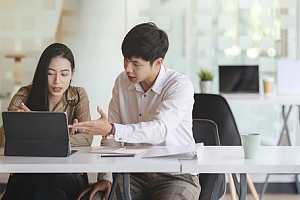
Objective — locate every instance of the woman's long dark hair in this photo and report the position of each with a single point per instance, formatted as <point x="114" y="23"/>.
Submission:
<point x="38" y="97"/>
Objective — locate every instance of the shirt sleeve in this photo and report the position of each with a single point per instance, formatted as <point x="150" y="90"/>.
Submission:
<point x="20" y="97"/>
<point x="177" y="104"/>
<point x="81" y="113"/>
<point x="114" y="109"/>
<point x="82" y="110"/>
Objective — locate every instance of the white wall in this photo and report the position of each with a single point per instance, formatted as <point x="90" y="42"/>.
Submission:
<point x="96" y="42"/>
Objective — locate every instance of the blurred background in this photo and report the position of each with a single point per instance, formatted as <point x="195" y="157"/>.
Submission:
<point x="202" y="34"/>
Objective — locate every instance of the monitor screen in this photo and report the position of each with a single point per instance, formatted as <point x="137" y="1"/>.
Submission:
<point x="238" y="79"/>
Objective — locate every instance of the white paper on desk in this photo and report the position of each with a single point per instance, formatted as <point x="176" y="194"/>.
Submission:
<point x="118" y="150"/>
<point x="180" y="152"/>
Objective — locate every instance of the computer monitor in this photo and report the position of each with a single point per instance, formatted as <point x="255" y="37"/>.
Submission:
<point x="238" y="79"/>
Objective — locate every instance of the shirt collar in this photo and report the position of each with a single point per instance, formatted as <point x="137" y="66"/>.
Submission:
<point x="157" y="86"/>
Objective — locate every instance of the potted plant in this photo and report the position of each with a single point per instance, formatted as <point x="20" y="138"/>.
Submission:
<point x="206" y="77"/>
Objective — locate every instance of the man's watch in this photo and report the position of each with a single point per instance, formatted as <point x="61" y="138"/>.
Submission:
<point x="113" y="130"/>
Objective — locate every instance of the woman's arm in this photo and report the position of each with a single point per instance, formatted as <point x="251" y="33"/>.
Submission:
<point x="81" y="113"/>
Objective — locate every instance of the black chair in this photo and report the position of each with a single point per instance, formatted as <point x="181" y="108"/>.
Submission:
<point x="212" y="185"/>
<point x="215" y="107"/>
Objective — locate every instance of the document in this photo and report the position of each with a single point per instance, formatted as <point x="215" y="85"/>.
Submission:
<point x="118" y="151"/>
<point x="180" y="152"/>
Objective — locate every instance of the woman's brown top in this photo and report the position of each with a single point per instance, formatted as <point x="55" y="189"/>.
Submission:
<point x="75" y="104"/>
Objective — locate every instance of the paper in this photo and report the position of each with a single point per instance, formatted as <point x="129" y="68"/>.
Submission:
<point x="180" y="152"/>
<point x="96" y="142"/>
<point x="118" y="151"/>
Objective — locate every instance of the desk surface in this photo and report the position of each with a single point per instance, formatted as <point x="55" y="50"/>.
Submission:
<point x="83" y="161"/>
<point x="214" y="159"/>
<point x="263" y="99"/>
<point x="225" y="159"/>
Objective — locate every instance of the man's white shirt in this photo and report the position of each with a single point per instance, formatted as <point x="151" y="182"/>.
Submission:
<point x="160" y="116"/>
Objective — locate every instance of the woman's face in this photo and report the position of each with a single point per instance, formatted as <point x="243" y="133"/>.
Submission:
<point x="59" y="76"/>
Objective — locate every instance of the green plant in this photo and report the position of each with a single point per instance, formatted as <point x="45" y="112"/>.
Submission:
<point x="205" y="75"/>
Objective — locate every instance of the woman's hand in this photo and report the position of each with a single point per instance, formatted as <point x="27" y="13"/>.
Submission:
<point x="23" y="108"/>
<point x="74" y="130"/>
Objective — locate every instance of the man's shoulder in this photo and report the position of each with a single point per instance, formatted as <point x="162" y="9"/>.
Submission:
<point x="122" y="79"/>
<point x="174" y="78"/>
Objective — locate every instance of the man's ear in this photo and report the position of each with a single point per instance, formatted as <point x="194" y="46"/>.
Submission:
<point x="159" y="61"/>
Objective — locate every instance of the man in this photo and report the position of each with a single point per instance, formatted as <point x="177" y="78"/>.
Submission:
<point x="150" y="104"/>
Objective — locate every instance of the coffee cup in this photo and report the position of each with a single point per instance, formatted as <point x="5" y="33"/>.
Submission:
<point x="251" y="144"/>
<point x="268" y="85"/>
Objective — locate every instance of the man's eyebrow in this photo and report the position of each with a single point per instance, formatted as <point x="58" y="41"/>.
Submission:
<point x="134" y="61"/>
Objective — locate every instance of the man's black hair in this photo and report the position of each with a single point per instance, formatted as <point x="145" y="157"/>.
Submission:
<point x="145" y="41"/>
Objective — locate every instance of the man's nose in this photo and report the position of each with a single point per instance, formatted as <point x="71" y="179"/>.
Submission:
<point x="128" y="67"/>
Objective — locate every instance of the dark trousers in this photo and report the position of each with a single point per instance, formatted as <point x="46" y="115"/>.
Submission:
<point x="164" y="186"/>
<point x="45" y="186"/>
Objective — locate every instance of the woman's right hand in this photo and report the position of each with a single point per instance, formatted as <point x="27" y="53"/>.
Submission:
<point x="23" y="108"/>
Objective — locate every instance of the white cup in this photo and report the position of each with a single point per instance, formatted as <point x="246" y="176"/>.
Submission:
<point x="251" y="144"/>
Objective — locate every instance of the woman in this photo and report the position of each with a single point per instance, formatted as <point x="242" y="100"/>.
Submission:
<point x="51" y="91"/>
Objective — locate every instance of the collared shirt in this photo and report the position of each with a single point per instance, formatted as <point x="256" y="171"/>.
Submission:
<point x="75" y="104"/>
<point x="160" y="116"/>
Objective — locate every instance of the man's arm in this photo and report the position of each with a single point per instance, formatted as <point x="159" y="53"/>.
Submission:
<point x="175" y="106"/>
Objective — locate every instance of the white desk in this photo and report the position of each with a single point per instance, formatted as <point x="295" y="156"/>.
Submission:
<point x="263" y="99"/>
<point x="226" y="159"/>
<point x="217" y="159"/>
<point x="230" y="159"/>
<point x="82" y="161"/>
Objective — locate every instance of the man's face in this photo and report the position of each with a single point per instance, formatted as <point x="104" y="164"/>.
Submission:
<point x="139" y="70"/>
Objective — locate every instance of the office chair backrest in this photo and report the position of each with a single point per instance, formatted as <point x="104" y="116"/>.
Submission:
<point x="216" y="108"/>
<point x="212" y="185"/>
<point x="206" y="131"/>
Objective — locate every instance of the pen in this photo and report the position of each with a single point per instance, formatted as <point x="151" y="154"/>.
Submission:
<point x="117" y="155"/>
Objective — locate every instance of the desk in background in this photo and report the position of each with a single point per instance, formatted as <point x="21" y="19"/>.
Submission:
<point x="287" y="103"/>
